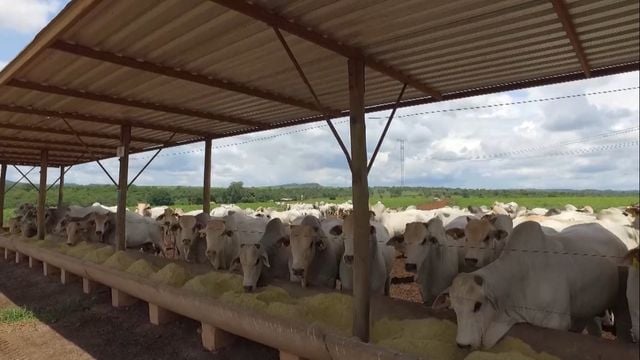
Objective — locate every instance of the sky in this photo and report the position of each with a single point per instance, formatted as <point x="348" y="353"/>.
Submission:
<point x="582" y="142"/>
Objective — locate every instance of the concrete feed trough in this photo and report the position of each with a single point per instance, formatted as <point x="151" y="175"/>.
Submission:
<point x="291" y="336"/>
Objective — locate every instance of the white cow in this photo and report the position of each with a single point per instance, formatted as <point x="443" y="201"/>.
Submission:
<point x="139" y="230"/>
<point x="537" y="281"/>
<point x="314" y="258"/>
<point x="432" y="255"/>
<point x="485" y="238"/>
<point x="224" y="236"/>
<point x="188" y="235"/>
<point x="145" y="209"/>
<point x="380" y="257"/>
<point x="268" y="259"/>
<point x="632" y="260"/>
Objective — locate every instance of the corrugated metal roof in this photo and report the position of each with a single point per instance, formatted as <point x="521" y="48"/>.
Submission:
<point x="211" y="69"/>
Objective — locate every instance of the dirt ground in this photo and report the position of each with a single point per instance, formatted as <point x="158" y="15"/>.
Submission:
<point x="71" y="325"/>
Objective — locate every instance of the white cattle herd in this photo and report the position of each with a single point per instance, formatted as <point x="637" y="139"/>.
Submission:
<point x="494" y="266"/>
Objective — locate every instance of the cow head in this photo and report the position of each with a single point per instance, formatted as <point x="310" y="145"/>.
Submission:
<point x="430" y="255"/>
<point x="348" y="228"/>
<point x="77" y="230"/>
<point x="483" y="241"/>
<point x="28" y="226"/>
<point x="218" y="239"/>
<point x="252" y="258"/>
<point x="143" y="209"/>
<point x="305" y="240"/>
<point x="104" y="224"/>
<point x="479" y="322"/>
<point x="14" y="225"/>
<point x="189" y="231"/>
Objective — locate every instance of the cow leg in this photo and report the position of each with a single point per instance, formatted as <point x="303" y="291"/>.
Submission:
<point x="621" y="315"/>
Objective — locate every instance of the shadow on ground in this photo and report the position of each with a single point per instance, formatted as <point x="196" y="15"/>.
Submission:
<point x="90" y="323"/>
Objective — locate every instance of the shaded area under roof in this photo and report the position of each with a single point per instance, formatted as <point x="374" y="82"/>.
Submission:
<point x="180" y="71"/>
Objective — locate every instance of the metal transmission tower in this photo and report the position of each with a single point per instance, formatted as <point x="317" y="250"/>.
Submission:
<point x="401" y="141"/>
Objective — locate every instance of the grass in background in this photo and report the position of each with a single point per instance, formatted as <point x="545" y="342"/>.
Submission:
<point x="596" y="202"/>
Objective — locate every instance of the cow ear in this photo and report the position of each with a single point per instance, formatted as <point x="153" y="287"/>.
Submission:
<point x="336" y="230"/>
<point x="455" y="233"/>
<point x="372" y="215"/>
<point x="265" y="260"/>
<point x="442" y="301"/>
<point x="160" y="218"/>
<point x="396" y="240"/>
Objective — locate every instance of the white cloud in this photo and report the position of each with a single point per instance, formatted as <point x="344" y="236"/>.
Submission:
<point x="27" y="16"/>
<point x="439" y="146"/>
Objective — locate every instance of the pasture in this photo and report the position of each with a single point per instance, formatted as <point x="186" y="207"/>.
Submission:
<point x="415" y="199"/>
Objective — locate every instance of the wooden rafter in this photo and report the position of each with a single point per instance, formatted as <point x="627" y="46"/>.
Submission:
<point x="80" y="94"/>
<point x="99" y="119"/>
<point x="90" y="134"/>
<point x="324" y="40"/>
<point x="163" y="70"/>
<point x="565" y="18"/>
<point x="20" y="161"/>
<point x="36" y="155"/>
<point x="11" y="142"/>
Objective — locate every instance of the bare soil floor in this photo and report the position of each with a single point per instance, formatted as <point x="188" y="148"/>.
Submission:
<point x="71" y="325"/>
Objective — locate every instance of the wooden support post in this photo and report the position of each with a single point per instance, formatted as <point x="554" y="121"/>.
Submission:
<point x="125" y="139"/>
<point x="61" y="187"/>
<point x="20" y="258"/>
<point x="49" y="270"/>
<point x="120" y="299"/>
<point x="3" y="181"/>
<point x="288" y="356"/>
<point x="33" y="262"/>
<point x="160" y="316"/>
<point x="214" y="338"/>
<point x="66" y="277"/>
<point x="42" y="193"/>
<point x="8" y="254"/>
<point x="360" y="191"/>
<point x="206" y="188"/>
<point x="88" y="286"/>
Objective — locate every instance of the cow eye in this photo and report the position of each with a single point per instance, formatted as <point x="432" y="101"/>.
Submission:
<point x="311" y="245"/>
<point x="486" y="239"/>
<point x="477" y="306"/>
<point x="257" y="261"/>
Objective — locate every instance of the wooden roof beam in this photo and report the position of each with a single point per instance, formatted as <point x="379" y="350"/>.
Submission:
<point x="565" y="18"/>
<point x="8" y="153"/>
<point x="30" y="161"/>
<point x="100" y="120"/>
<point x="81" y="133"/>
<point x="64" y="146"/>
<point x="167" y="71"/>
<point x="323" y="40"/>
<point x="80" y="94"/>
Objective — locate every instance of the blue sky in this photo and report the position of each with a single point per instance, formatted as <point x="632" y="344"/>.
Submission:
<point x="582" y="142"/>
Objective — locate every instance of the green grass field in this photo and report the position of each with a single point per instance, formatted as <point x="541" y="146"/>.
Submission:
<point x="597" y="202"/>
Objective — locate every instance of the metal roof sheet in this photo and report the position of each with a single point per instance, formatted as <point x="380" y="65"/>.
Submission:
<point x="215" y="68"/>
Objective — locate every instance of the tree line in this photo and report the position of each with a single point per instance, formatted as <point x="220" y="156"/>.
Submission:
<point x="236" y="192"/>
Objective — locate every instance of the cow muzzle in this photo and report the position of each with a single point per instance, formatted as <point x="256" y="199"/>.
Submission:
<point x="463" y="346"/>
<point x="298" y="272"/>
<point x="408" y="267"/>
<point x="348" y="259"/>
<point x="471" y="262"/>
<point x="248" y="288"/>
